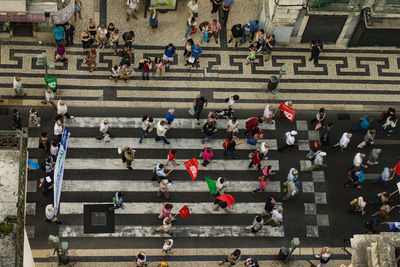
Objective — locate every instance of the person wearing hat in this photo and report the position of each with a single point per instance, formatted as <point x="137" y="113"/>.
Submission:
<point x="373" y="156"/>
<point x="318" y="161"/>
<point x="47" y="185"/>
<point x="104" y="130"/>
<point x="293" y="175"/>
<point x="166" y="227"/>
<point x="50" y="213"/>
<point x="344" y="141"/>
<point x="290" y="140"/>
<point x="323" y="256"/>
<point x="368" y="138"/>
<point x="163" y="189"/>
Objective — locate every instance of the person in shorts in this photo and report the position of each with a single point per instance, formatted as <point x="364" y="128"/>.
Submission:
<point x="169" y="53"/>
<point x="131" y="8"/>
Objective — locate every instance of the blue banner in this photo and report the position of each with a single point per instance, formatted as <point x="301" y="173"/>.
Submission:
<point x="59" y="168"/>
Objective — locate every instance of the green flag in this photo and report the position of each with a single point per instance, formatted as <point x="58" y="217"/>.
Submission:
<point x="51" y="83"/>
<point x="212" y="186"/>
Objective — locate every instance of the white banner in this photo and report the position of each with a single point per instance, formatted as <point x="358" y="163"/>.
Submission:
<point x="59" y="168"/>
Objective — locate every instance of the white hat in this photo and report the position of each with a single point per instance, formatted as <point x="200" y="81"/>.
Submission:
<point x="50" y="208"/>
<point x="322" y="153"/>
<point x="48" y="179"/>
<point x="293" y="132"/>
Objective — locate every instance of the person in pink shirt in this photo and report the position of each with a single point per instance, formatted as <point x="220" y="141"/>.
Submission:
<point x="213" y="30"/>
<point x="207" y="155"/>
<point x="166" y="211"/>
<point x="263" y="180"/>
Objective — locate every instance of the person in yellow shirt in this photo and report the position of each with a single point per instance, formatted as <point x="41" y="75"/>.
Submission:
<point x="163" y="264"/>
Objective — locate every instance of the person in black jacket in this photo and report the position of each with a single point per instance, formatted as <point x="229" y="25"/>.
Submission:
<point x="236" y="33"/>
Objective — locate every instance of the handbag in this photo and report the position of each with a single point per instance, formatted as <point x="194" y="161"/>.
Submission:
<point x="193" y="30"/>
<point x="353" y="202"/>
<point x="191" y="59"/>
<point x="318" y="126"/>
<point x="107" y="138"/>
<point x="384" y="213"/>
<point x="150" y="129"/>
<point x="192" y="111"/>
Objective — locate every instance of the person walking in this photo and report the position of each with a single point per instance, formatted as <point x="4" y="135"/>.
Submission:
<point x="236" y="34"/>
<point x="386" y="175"/>
<point x="50" y="214"/>
<point x="255" y="160"/>
<point x="132" y="7"/>
<point x="69" y="33"/>
<point x="117" y="201"/>
<point x="163" y="189"/>
<point x="231" y="102"/>
<point x="368" y="139"/>
<point x="269" y="207"/>
<point x="213" y="30"/>
<point x="166" y="227"/>
<point x="289" y="140"/>
<point x="209" y="130"/>
<point x="270" y="43"/>
<point x="167" y="247"/>
<point x="358" y="205"/>
<point x="326" y="133"/>
<point x="49" y="166"/>
<point x="344" y="141"/>
<point x="354" y="177"/>
<point x="293" y="175"/>
<point x="252" y="125"/>
<point x="170" y="116"/>
<point x="54" y="148"/>
<point x="114" y="37"/>
<point x="292" y="190"/>
<point x="358" y="161"/>
<point x="147" y="126"/>
<point x="128" y="155"/>
<point x="58" y="34"/>
<point x="221" y="184"/>
<point x="62" y="111"/>
<point x="198" y="105"/>
<point x="232" y="127"/>
<point x="230" y="146"/>
<point x="44" y="144"/>
<point x="60" y="53"/>
<point x="141" y="259"/>
<point x="233" y="258"/>
<point x="320" y="117"/>
<point x="226" y="7"/>
<point x="264" y="148"/>
<point x="257" y="225"/>
<point x="160" y="173"/>
<point x="276" y="217"/>
<point x="58" y="129"/>
<point x="48" y="185"/>
<point x="263" y="181"/>
<point x="162" y="128"/>
<point x="166" y="212"/>
<point x="323" y="256"/>
<point x="153" y="18"/>
<point x="171" y="158"/>
<point x="252" y="56"/>
<point x="365" y="123"/>
<point x="193" y="8"/>
<point x="104" y="130"/>
<point x="215" y="6"/>
<point x="373" y="156"/>
<point x="318" y="162"/>
<point x="16" y="119"/>
<point x="77" y="9"/>
<point x="316" y="47"/>
<point x="18" y="89"/>
<point x="207" y="156"/>
<point x="314" y="148"/>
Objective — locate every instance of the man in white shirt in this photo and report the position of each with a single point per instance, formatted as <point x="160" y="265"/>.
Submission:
<point x="62" y="110"/>
<point x="276" y="217"/>
<point x="344" y="141"/>
<point x="358" y="159"/>
<point x="222" y="184"/>
<point x="264" y="149"/>
<point x="131" y="8"/>
<point x="104" y="130"/>
<point x="58" y="129"/>
<point x="51" y="214"/>
<point x="18" y="89"/>
<point x="289" y="140"/>
<point x="318" y="161"/>
<point x="162" y="129"/>
<point x="160" y="172"/>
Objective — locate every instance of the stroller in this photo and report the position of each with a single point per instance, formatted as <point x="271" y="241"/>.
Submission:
<point x="226" y="114"/>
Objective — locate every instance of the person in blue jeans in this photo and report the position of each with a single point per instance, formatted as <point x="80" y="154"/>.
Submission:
<point x="147" y="122"/>
<point x="209" y="130"/>
<point x="190" y="24"/>
<point x="230" y="146"/>
<point x="117" y="201"/>
<point x="384" y="177"/>
<point x="364" y="124"/>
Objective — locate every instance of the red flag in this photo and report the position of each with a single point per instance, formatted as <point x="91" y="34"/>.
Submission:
<point x="397" y="168"/>
<point x="288" y="111"/>
<point x="192" y="166"/>
<point x="228" y="199"/>
<point x="184" y="212"/>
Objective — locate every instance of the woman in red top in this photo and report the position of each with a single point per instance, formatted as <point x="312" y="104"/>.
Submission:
<point x="171" y="158"/>
<point x="256" y="160"/>
<point x="251" y="124"/>
<point x="146" y="67"/>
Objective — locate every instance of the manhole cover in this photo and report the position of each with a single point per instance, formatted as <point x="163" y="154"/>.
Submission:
<point x="99" y="218"/>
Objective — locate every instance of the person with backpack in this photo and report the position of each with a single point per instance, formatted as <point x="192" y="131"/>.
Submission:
<point x="230" y="146"/>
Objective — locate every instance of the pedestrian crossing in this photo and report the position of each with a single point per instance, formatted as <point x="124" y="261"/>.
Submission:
<point x="93" y="181"/>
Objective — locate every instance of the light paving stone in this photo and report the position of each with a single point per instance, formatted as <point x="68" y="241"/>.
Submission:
<point x="318" y="176"/>
<point x="31" y="186"/>
<point x="304" y="164"/>
<point x="312" y="231"/>
<point x="313" y="135"/>
<point x="308" y="187"/>
<point x="310" y="209"/>
<point x="304" y="145"/>
<point x="320" y="198"/>
<point x="322" y="220"/>
<point x="301" y="125"/>
<point x="306" y="251"/>
<point x="30" y="208"/>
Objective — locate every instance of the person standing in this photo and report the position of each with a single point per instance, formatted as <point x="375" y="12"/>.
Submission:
<point x="289" y="140"/>
<point x="254" y="27"/>
<point x="233" y="258"/>
<point x="58" y="34"/>
<point x="102" y="33"/>
<point x="215" y="5"/>
<point x="196" y="52"/>
<point x="114" y="40"/>
<point x="51" y="214"/>
<point x="58" y="129"/>
<point x="263" y="181"/>
<point x="257" y="225"/>
<point x="147" y="126"/>
<point x="146" y="68"/>
<point x="246" y="34"/>
<point x="231" y="102"/>
<point x="213" y="30"/>
<point x="77" y="9"/>
<point x="91" y="59"/>
<point x="167" y="246"/>
<point x="269" y="45"/>
<point x="44" y="144"/>
<point x="236" y="34"/>
<point x="104" y="130"/>
<point x="162" y="129"/>
<point x="386" y="176"/>
<point x="69" y="33"/>
<point x="16" y="120"/>
<point x="193" y="8"/>
<point x="323" y="256"/>
<point x="62" y="111"/>
<point x="163" y="189"/>
<point x="320" y="117"/>
<point x="128" y="155"/>
<point x="92" y="30"/>
<point x="198" y="105"/>
<point x="117" y="201"/>
<point x="269" y="114"/>
<point x="190" y="25"/>
<point x="86" y="40"/>
<point x="153" y="18"/>
<point x="344" y="141"/>
<point x="131" y="9"/>
<point x="141" y="259"/>
<point x="18" y="89"/>
<point x="276" y="217"/>
<point x="60" y="53"/>
<point x="264" y="147"/>
<point x="316" y="47"/>
<point x="232" y="127"/>
<point x="110" y="29"/>
<point x="226" y="7"/>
